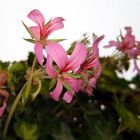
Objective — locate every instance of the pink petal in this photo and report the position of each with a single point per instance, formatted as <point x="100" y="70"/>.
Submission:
<point x="95" y="46"/>
<point x="39" y="52"/>
<point x="2" y="109"/>
<point x="93" y="55"/>
<point x="129" y="41"/>
<point x="99" y="70"/>
<point x="91" y="64"/>
<point x="113" y="44"/>
<point x="93" y="81"/>
<point x="49" y="68"/>
<point x="57" y="91"/>
<point x="57" y="53"/>
<point x="54" y="24"/>
<point x="77" y="58"/>
<point x="56" y="20"/>
<point x="74" y="83"/>
<point x="35" y="32"/>
<point x="36" y="16"/>
<point x="132" y="53"/>
<point x="128" y="30"/>
<point x="68" y="97"/>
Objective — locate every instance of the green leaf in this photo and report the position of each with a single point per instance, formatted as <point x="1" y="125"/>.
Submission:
<point x="64" y="133"/>
<point x="129" y="120"/>
<point x="67" y="86"/>
<point x="45" y="87"/>
<point x="85" y="41"/>
<point x="30" y="40"/>
<point x="52" y="84"/>
<point x="85" y="79"/>
<point x="30" y="59"/>
<point x="34" y="95"/>
<point x="26" y="91"/>
<point x="26" y="131"/>
<point x="70" y="50"/>
<point x="17" y="66"/>
<point x="98" y="126"/>
<point x="28" y="29"/>
<point x="55" y="40"/>
<point x="73" y="75"/>
<point x="90" y="72"/>
<point x="94" y="36"/>
<point x="4" y="65"/>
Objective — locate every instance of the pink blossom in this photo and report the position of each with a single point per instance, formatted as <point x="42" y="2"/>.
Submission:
<point x="127" y="42"/>
<point x="65" y="66"/>
<point x="128" y="46"/>
<point x="42" y="31"/>
<point x="91" y="68"/>
<point x="135" y="51"/>
<point x="93" y="55"/>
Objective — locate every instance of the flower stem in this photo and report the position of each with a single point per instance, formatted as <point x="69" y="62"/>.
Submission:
<point x="33" y="65"/>
<point x="26" y="87"/>
<point x="16" y="101"/>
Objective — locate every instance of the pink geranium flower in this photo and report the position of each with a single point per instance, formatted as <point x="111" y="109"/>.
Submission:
<point x="65" y="66"/>
<point x="41" y="32"/>
<point x="91" y="68"/>
<point x="128" y="46"/>
<point x="125" y="43"/>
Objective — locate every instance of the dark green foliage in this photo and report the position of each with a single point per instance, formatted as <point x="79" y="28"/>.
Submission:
<point x="84" y="118"/>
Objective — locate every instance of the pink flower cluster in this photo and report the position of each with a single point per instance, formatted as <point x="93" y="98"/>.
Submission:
<point x="78" y="71"/>
<point x="128" y="45"/>
<point x="3" y="93"/>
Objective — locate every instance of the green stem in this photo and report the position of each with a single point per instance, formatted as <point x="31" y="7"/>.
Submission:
<point x="16" y="101"/>
<point x="33" y="65"/>
<point x="27" y="85"/>
<point x="34" y="95"/>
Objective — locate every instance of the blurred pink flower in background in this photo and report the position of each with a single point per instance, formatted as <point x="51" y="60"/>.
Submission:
<point x="91" y="68"/>
<point x="128" y="45"/>
<point x="125" y="43"/>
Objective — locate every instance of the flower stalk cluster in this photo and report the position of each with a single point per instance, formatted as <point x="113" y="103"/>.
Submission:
<point x="74" y="72"/>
